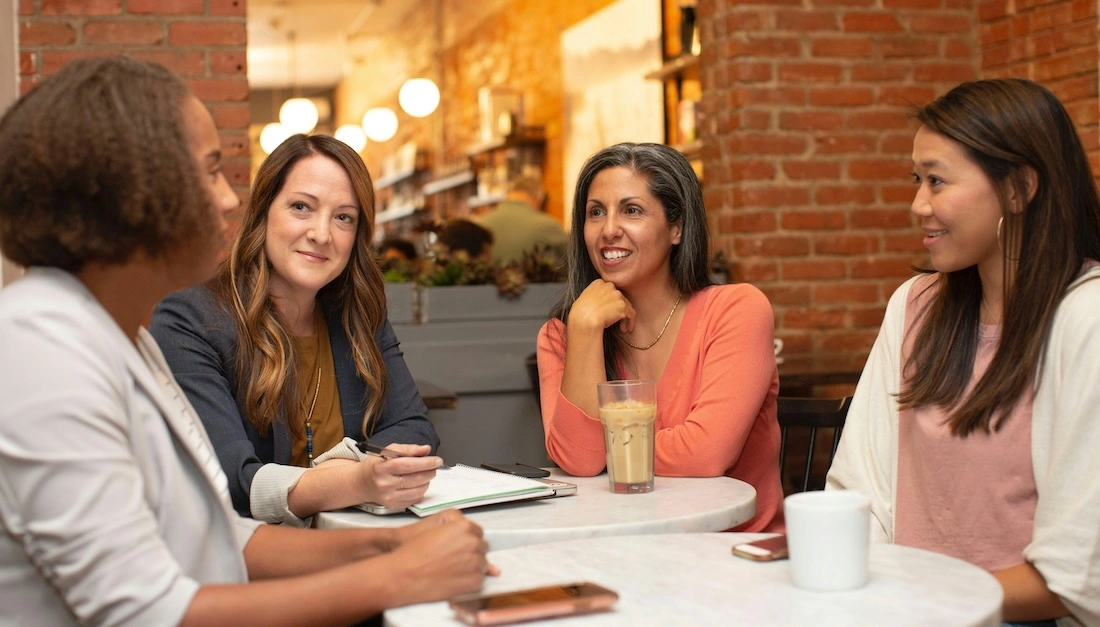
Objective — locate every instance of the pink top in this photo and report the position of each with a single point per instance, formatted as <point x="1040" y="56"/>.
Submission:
<point x="972" y="498"/>
<point x="716" y="410"/>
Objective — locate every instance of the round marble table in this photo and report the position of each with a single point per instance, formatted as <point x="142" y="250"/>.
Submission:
<point x="675" y="505"/>
<point x="692" y="579"/>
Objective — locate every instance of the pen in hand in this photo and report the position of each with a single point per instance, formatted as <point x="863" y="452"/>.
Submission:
<point x="386" y="453"/>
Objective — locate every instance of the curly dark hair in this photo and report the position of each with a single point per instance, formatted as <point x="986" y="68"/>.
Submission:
<point x="95" y="166"/>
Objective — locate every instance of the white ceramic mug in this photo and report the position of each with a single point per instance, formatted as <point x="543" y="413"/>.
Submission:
<point x="828" y="537"/>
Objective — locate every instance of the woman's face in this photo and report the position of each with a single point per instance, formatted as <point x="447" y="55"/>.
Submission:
<point x="957" y="205"/>
<point x="311" y="228"/>
<point x="205" y="145"/>
<point x="626" y="230"/>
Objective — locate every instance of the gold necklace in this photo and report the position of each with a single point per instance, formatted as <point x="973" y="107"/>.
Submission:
<point x="309" y="417"/>
<point x="661" y="334"/>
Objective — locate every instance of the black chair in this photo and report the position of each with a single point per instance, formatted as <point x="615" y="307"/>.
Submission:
<point x="810" y="414"/>
<point x="532" y="363"/>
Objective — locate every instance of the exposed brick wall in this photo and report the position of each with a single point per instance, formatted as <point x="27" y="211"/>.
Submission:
<point x="1054" y="43"/>
<point x="202" y="40"/>
<point x="806" y="150"/>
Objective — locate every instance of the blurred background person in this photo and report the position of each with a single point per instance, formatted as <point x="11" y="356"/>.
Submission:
<point x="461" y="235"/>
<point x="518" y="222"/>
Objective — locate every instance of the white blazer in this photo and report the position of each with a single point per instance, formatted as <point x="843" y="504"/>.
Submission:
<point x="114" y="507"/>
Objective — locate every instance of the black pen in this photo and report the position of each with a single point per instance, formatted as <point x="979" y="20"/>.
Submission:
<point x="385" y="453"/>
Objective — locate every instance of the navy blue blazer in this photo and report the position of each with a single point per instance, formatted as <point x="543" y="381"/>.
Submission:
<point x="199" y="341"/>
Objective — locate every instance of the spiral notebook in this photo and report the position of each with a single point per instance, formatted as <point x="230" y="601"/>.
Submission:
<point x="462" y="486"/>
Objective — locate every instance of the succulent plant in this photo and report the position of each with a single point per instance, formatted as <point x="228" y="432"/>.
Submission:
<point x="543" y="264"/>
<point x="511" y="280"/>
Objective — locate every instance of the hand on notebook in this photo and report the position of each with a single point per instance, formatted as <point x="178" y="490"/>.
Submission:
<point x="400" y="481"/>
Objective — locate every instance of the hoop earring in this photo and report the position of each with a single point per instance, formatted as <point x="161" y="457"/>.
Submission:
<point x="1000" y="228"/>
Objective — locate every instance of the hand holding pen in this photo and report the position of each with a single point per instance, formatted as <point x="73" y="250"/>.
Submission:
<point x="398" y="475"/>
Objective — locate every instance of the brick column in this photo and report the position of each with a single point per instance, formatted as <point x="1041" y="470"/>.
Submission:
<point x="806" y="151"/>
<point x="202" y="40"/>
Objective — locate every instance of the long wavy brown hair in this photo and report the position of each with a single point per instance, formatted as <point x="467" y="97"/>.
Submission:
<point x="266" y="374"/>
<point x="1006" y="126"/>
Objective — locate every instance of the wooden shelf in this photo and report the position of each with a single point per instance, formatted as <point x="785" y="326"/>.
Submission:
<point x="448" y="182"/>
<point x="396" y="177"/>
<point x="674" y="67"/>
<point x="395" y="212"/>
<point x="525" y="136"/>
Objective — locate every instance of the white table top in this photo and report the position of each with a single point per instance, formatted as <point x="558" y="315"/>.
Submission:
<point x="692" y="579"/>
<point x="675" y="505"/>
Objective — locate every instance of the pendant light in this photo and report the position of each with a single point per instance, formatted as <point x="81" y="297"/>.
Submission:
<point x="298" y="114"/>
<point x="418" y="97"/>
<point x="352" y="135"/>
<point x="380" y="124"/>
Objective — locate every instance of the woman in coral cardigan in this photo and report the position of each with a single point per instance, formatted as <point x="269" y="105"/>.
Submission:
<point x="640" y="305"/>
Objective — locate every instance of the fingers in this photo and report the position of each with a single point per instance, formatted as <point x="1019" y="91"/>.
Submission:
<point x="412" y="450"/>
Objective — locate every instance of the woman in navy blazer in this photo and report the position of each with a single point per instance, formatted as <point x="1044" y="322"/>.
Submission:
<point x="287" y="354"/>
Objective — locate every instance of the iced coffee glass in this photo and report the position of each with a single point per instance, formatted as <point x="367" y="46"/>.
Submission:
<point x="628" y="411"/>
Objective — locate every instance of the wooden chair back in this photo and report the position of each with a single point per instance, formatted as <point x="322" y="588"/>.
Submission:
<point x="810" y="415"/>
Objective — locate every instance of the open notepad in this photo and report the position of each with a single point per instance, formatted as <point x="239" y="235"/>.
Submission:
<point x="462" y="486"/>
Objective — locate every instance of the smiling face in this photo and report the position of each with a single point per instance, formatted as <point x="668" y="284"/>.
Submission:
<point x="957" y="204"/>
<point x="311" y="228"/>
<point x="626" y="231"/>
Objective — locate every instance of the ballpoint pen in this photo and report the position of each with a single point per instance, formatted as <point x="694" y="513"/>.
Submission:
<point x="385" y="453"/>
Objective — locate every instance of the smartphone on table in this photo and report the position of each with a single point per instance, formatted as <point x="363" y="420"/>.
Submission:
<point x="522" y="470"/>
<point x="533" y="603"/>
<point x="765" y="550"/>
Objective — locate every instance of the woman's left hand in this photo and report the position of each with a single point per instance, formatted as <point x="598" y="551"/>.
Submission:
<point x="400" y="481"/>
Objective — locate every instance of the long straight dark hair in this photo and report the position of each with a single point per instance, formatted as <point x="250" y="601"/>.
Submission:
<point x="672" y="181"/>
<point x="1006" y="126"/>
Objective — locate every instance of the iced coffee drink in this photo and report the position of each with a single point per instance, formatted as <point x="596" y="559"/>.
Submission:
<point x="628" y="438"/>
<point x="628" y="411"/>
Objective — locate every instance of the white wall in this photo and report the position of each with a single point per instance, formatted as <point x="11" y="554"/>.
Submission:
<point x="9" y="87"/>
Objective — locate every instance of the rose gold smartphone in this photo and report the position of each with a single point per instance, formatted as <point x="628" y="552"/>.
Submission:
<point x="764" y="550"/>
<point x="522" y="605"/>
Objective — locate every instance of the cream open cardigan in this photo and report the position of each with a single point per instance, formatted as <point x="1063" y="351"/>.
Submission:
<point x="1065" y="444"/>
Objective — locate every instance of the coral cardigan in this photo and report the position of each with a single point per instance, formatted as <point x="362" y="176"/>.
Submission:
<point x="716" y="408"/>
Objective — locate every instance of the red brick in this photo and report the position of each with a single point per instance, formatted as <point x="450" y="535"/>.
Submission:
<point x="812" y="170"/>
<point x="165" y="7"/>
<point x="898" y="142"/>
<point x="26" y="7"/>
<point x="771" y="95"/>
<point x="747" y="222"/>
<point x="771" y="246"/>
<point x="764" y="47"/>
<point x="208" y="33"/>
<point x="752" y="72"/>
<point x="811" y="121"/>
<point x="814" y="318"/>
<point x="220" y="89"/>
<point x="25" y="85"/>
<point x="813" y="269"/>
<point x="939" y="22"/>
<point x="909" y="47"/>
<point x="752" y="171"/>
<point x="846" y="244"/>
<point x="123" y="33"/>
<point x="810" y="72"/>
<point x="878" y="72"/>
<point x="238" y="172"/>
<point x="842" y="143"/>
<point x="755" y="119"/>
<point x="841" y="97"/>
<point x="786" y="295"/>
<point x="881" y="218"/>
<point x="841" y="48"/>
<point x="182" y="62"/>
<point x="771" y="144"/>
<point x="785" y="196"/>
<point x="813" y="220"/>
<point x="877" y="120"/>
<point x="81" y="7"/>
<point x="945" y="72"/>
<point x="26" y="64"/>
<point x="748" y="20"/>
<point x="867" y="317"/>
<point x="755" y="271"/>
<point x="849" y="341"/>
<point x="228" y="61"/>
<point x="856" y="22"/>
<point x="844" y="195"/>
<point x="988" y="10"/>
<point x="877" y="169"/>
<point x="898" y="194"/>
<point x="231" y="116"/>
<point x="45" y="34"/>
<point x="911" y="243"/>
<point x="843" y="293"/>
<point x="807" y="21"/>
<point x="227" y="7"/>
